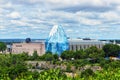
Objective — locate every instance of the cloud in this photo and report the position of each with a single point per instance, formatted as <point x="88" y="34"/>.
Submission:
<point x="118" y="8"/>
<point x="8" y="5"/>
<point x="90" y="22"/>
<point x="80" y="18"/>
<point x="110" y="16"/>
<point x="69" y="30"/>
<point x="14" y="15"/>
<point x="1" y="10"/>
<point x="2" y="27"/>
<point x="2" y="1"/>
<point x="81" y="5"/>
<point x="72" y="6"/>
<point x="18" y="22"/>
<point x="23" y="33"/>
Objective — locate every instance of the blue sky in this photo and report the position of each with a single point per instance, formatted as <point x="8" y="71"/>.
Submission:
<point x="97" y="19"/>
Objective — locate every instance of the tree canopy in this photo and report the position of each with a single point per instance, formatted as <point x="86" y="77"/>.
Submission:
<point x="94" y="52"/>
<point x="2" y="46"/>
<point x="67" y="55"/>
<point x="111" y="50"/>
<point x="13" y="65"/>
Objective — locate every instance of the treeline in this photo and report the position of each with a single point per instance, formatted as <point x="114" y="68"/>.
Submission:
<point x="14" y="66"/>
<point x="108" y="50"/>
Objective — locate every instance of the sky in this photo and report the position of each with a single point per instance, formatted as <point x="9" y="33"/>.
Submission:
<point x="96" y="19"/>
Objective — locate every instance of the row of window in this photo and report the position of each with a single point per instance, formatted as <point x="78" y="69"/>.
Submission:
<point x="78" y="47"/>
<point x="22" y="50"/>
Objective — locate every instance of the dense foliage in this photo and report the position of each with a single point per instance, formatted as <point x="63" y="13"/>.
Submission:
<point x="92" y="52"/>
<point x="111" y="50"/>
<point x="49" y="57"/>
<point x="2" y="46"/>
<point x="57" y="74"/>
<point x="108" y="50"/>
<point x="14" y="66"/>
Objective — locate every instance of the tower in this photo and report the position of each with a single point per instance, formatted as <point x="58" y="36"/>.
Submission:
<point x="57" y="41"/>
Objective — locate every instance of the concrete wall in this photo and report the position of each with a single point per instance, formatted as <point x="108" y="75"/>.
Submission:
<point x="28" y="47"/>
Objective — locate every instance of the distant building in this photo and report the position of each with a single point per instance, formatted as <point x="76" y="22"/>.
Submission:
<point x="28" y="47"/>
<point x="77" y="44"/>
<point x="39" y="46"/>
<point x="9" y="48"/>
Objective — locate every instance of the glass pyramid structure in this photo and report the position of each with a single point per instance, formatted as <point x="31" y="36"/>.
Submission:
<point x="57" y="41"/>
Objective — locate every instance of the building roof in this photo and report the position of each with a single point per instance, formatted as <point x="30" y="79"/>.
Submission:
<point x="80" y="41"/>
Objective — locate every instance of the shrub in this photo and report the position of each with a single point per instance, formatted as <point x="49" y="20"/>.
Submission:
<point x="87" y="73"/>
<point x="67" y="55"/>
<point x="48" y="57"/>
<point x="68" y="69"/>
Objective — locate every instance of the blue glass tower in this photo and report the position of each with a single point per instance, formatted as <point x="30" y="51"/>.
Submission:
<point x="57" y="41"/>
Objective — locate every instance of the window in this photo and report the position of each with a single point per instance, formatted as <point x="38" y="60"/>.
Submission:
<point x="72" y="47"/>
<point x="76" y="47"/>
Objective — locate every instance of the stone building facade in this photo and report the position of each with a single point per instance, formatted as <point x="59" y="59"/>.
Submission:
<point x="29" y="48"/>
<point x="78" y="44"/>
<point x="74" y="45"/>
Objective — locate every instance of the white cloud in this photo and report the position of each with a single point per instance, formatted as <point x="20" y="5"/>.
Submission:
<point x="2" y="28"/>
<point x="1" y="10"/>
<point x="90" y="22"/>
<point x="23" y="33"/>
<point x="110" y="16"/>
<point x="8" y="5"/>
<point x="40" y="15"/>
<point x="113" y="1"/>
<point x="69" y="30"/>
<point x="71" y="2"/>
<point x="18" y="22"/>
<point x="21" y="23"/>
<point x="1" y="1"/>
<point x="34" y="1"/>
<point x="14" y="15"/>
<point x="86" y="14"/>
<point x="76" y="2"/>
<point x="56" y="4"/>
<point x="118" y="8"/>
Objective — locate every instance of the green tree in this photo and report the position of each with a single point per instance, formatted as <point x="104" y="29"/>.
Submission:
<point x="67" y="55"/>
<point x="12" y="65"/>
<point x="80" y="54"/>
<point x="111" y="50"/>
<point x="2" y="46"/>
<point x="48" y="57"/>
<point x="94" y="53"/>
<point x="24" y="56"/>
<point x="53" y="74"/>
<point x="55" y="56"/>
<point x="34" y="56"/>
<point x="87" y="73"/>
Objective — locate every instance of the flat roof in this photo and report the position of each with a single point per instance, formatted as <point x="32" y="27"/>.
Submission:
<point x="79" y="41"/>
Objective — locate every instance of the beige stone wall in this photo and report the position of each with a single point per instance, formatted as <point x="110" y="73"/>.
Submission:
<point x="28" y="47"/>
